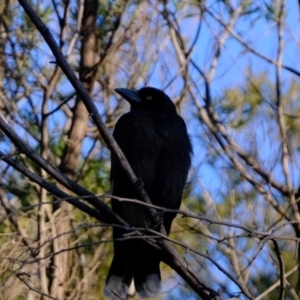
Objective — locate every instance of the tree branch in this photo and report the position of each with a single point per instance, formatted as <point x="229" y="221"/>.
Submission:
<point x="172" y="257"/>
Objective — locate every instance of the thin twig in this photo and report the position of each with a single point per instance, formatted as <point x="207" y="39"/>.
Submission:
<point x="246" y="44"/>
<point x="19" y="275"/>
<point x="281" y="270"/>
<point x="277" y="283"/>
<point x="173" y="257"/>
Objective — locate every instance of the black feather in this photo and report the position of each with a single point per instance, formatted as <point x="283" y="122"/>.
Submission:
<point x="154" y="140"/>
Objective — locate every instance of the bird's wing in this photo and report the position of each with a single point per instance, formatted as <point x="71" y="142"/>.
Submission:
<point x="132" y="259"/>
<point x="138" y="140"/>
<point x="172" y="168"/>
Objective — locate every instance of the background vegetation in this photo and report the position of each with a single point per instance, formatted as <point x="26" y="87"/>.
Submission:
<point x="231" y="67"/>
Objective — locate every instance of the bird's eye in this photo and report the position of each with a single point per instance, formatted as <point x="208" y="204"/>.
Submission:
<point x="148" y="97"/>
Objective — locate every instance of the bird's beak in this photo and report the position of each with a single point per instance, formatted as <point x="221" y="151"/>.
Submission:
<point x="130" y="95"/>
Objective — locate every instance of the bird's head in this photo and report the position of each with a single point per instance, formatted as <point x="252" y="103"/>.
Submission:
<point x="149" y="98"/>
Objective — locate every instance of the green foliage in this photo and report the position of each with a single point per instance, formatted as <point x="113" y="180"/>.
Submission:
<point x="96" y="175"/>
<point x="241" y="103"/>
<point x="22" y="189"/>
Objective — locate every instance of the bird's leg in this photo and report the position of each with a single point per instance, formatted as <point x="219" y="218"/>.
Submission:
<point x="159" y="215"/>
<point x="139" y="185"/>
<point x="147" y="223"/>
<point x="159" y="218"/>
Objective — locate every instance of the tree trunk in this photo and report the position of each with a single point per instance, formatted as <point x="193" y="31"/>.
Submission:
<point x="60" y="263"/>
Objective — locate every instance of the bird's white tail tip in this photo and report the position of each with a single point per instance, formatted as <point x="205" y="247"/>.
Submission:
<point x="150" y="288"/>
<point x="115" y="288"/>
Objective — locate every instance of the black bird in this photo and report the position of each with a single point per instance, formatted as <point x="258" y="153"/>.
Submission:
<point x="154" y="140"/>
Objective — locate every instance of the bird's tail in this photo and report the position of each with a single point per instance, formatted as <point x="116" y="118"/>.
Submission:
<point x="146" y="274"/>
<point x="142" y="265"/>
<point x="147" y="280"/>
<point x="119" y="278"/>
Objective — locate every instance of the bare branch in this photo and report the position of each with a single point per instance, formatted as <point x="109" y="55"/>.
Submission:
<point x="281" y="270"/>
<point x="19" y="275"/>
